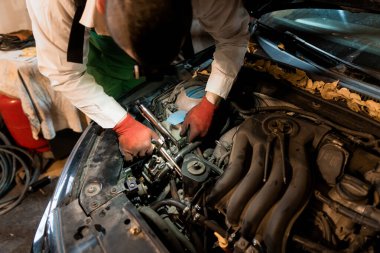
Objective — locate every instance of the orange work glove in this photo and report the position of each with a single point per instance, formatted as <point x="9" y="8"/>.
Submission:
<point x="198" y="120"/>
<point x="134" y="138"/>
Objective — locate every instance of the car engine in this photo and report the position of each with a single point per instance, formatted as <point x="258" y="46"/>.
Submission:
<point x="269" y="177"/>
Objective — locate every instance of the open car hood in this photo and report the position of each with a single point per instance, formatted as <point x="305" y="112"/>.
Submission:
<point x="285" y="168"/>
<point x="258" y="8"/>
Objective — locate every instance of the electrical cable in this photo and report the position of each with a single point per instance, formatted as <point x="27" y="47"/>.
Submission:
<point x="10" y="158"/>
<point x="6" y="162"/>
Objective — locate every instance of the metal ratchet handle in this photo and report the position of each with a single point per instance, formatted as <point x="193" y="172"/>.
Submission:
<point x="149" y="116"/>
<point x="158" y="145"/>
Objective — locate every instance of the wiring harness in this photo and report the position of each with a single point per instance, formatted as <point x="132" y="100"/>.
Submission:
<point x="14" y="161"/>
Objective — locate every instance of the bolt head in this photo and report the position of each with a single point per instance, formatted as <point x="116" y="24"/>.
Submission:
<point x="87" y="220"/>
<point x="94" y="204"/>
<point x="93" y="188"/>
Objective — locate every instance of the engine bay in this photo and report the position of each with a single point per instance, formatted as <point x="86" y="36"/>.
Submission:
<point x="270" y="177"/>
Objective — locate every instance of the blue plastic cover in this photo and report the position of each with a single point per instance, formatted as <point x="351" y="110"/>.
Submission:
<point x="196" y="92"/>
<point x="176" y="117"/>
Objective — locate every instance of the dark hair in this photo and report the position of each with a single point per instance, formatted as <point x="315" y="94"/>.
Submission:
<point x="79" y="3"/>
<point x="153" y="29"/>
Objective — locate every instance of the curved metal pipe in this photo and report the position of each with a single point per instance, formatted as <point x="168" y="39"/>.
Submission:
<point x="277" y="225"/>
<point x="230" y="177"/>
<point x="295" y="197"/>
<point x="261" y="203"/>
<point x="242" y="151"/>
<point x="269" y="211"/>
<point x="248" y="186"/>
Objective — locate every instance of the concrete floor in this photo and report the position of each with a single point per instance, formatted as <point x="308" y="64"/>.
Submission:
<point x="17" y="227"/>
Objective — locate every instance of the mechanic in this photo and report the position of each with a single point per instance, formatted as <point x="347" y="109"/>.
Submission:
<point x="122" y="32"/>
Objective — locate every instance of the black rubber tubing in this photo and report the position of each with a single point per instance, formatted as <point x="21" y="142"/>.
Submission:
<point x="4" y="149"/>
<point x="168" y="202"/>
<point x="181" y="237"/>
<point x="165" y="230"/>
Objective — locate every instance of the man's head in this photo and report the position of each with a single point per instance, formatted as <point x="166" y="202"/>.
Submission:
<point x="151" y="31"/>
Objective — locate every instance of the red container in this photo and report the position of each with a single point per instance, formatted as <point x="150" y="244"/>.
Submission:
<point x="18" y="125"/>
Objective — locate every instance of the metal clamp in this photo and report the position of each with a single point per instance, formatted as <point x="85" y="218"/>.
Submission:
<point x="159" y="146"/>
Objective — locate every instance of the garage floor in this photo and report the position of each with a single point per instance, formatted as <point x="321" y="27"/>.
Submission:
<point x="17" y="227"/>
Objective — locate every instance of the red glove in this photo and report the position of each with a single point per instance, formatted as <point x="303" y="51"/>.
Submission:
<point x="134" y="138"/>
<point x="198" y="120"/>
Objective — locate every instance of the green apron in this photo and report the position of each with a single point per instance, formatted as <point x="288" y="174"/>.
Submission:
<point x="111" y="67"/>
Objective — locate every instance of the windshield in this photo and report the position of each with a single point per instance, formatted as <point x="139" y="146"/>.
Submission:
<point x="353" y="37"/>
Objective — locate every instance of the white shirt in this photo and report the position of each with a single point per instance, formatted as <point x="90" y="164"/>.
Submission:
<point x="226" y="21"/>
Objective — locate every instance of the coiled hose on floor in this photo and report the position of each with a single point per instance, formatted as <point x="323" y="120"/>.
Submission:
<point x="11" y="160"/>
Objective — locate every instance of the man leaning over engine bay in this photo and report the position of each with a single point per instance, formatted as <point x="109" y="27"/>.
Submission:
<point x="122" y="33"/>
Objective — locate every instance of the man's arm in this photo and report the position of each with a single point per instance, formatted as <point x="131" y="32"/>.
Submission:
<point x="51" y="22"/>
<point x="227" y="22"/>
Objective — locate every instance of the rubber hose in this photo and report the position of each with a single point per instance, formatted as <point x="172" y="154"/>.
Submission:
<point x="164" y="229"/>
<point x="196" y="239"/>
<point x="4" y="150"/>
<point x="212" y="166"/>
<point x="181" y="237"/>
<point x="167" y="202"/>
<point x="9" y="156"/>
<point x="7" y="168"/>
<point x="7" y="172"/>
<point x="187" y="149"/>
